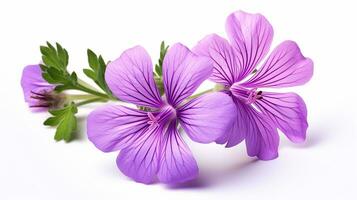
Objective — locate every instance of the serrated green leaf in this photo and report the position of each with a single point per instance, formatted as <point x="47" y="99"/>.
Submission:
<point x="74" y="78"/>
<point x="157" y="70"/>
<point x="54" y="57"/>
<point x="55" y="73"/>
<point x="89" y="73"/>
<point x="97" y="70"/>
<point x="48" y="78"/>
<point x="44" y="50"/>
<point x="52" y="121"/>
<point x="163" y="50"/>
<point x="43" y="67"/>
<point x="65" y="121"/>
<point x="61" y="88"/>
<point x="92" y="60"/>
<point x="62" y="54"/>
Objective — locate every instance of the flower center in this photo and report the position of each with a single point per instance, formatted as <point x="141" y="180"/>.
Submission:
<point x="247" y="95"/>
<point x="162" y="117"/>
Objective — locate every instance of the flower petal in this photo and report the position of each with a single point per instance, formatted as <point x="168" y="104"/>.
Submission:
<point x="251" y="36"/>
<point x="286" y="66"/>
<point x="207" y="117"/>
<point x="287" y="111"/>
<point x="114" y="127"/>
<point x="183" y="72"/>
<point x="176" y="162"/>
<point x="261" y="137"/>
<point x="226" y="65"/>
<point x="140" y="161"/>
<point x="32" y="81"/>
<point x="234" y="134"/>
<point x="130" y="78"/>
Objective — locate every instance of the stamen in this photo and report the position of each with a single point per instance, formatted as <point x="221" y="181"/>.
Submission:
<point x="46" y="98"/>
<point x="153" y="120"/>
<point x="44" y="105"/>
<point x="164" y="115"/>
<point x="253" y="95"/>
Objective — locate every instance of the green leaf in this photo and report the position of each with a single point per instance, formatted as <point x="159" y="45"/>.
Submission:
<point x="89" y="73"/>
<point x="54" y="57"/>
<point x="163" y="51"/>
<point x="54" y="67"/>
<point x="65" y="120"/>
<point x="92" y="59"/>
<point x="97" y="70"/>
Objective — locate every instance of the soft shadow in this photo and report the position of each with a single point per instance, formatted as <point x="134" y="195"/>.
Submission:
<point x="193" y="184"/>
<point x="314" y="137"/>
<point x="243" y="168"/>
<point x="80" y="134"/>
<point x="312" y="140"/>
<point x="214" y="177"/>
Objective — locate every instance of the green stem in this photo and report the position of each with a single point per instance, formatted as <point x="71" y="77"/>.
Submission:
<point x="201" y="93"/>
<point x="85" y="84"/>
<point x="90" y="91"/>
<point x="216" y="88"/>
<point x="97" y="99"/>
<point x="73" y="97"/>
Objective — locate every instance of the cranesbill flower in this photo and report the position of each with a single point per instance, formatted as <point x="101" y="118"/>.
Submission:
<point x="150" y="142"/>
<point x="259" y="113"/>
<point x="38" y="93"/>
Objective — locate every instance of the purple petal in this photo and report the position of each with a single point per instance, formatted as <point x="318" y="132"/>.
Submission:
<point x="183" y="72"/>
<point x="114" y="127"/>
<point x="234" y="135"/>
<point x="130" y="78"/>
<point x="261" y="137"/>
<point x="32" y="81"/>
<point x="287" y="111"/>
<point x="286" y="66"/>
<point x="226" y="65"/>
<point x="251" y="36"/>
<point x="207" y="117"/>
<point x="140" y="161"/>
<point x="177" y="163"/>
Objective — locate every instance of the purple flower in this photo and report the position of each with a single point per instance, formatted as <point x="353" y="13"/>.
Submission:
<point x="150" y="142"/>
<point x="37" y="92"/>
<point x="259" y="113"/>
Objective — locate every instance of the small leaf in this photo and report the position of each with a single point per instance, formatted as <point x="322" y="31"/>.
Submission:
<point x="62" y="54"/>
<point x="74" y="78"/>
<point x="163" y="50"/>
<point x="51" y="121"/>
<point x="97" y="70"/>
<point x="65" y="121"/>
<point x="54" y="57"/>
<point x="89" y="73"/>
<point x="92" y="59"/>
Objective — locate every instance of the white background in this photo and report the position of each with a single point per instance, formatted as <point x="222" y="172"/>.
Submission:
<point x="34" y="166"/>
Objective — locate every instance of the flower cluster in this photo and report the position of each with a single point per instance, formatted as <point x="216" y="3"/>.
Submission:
<point x="149" y="134"/>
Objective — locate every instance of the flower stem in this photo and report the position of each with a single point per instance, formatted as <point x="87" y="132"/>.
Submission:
<point x="92" y="100"/>
<point x="201" y="93"/>
<point x="73" y="97"/>
<point x="85" y="84"/>
<point x="216" y="88"/>
<point x="93" y="95"/>
<point x="91" y="91"/>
